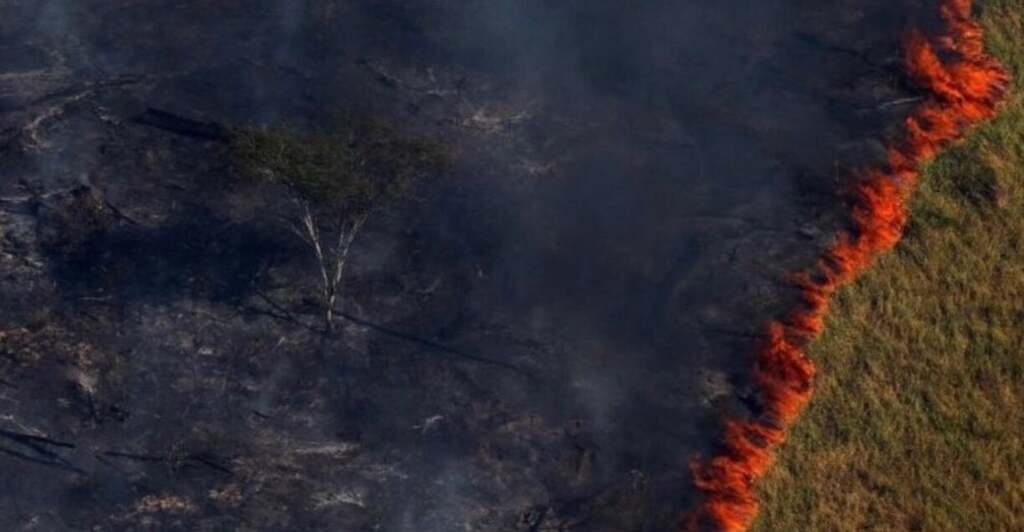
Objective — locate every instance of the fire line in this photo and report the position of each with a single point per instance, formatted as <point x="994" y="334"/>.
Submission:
<point x="965" y="86"/>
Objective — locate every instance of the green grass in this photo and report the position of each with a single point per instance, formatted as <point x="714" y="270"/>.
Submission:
<point x="918" y="421"/>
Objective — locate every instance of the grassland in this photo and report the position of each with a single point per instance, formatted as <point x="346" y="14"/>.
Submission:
<point x="918" y="421"/>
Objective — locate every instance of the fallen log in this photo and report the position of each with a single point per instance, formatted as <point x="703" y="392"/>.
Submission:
<point x="183" y="126"/>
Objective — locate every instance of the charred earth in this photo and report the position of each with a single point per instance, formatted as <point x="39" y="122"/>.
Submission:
<point x="539" y="338"/>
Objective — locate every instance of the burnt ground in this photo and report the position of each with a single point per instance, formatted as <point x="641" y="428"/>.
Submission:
<point x="539" y="341"/>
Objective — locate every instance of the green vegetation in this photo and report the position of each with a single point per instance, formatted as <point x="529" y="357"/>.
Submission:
<point x="918" y="421"/>
<point x="336" y="180"/>
<point x="359" y="165"/>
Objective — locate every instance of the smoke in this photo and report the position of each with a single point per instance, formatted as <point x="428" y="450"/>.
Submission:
<point x="627" y="192"/>
<point x="965" y="88"/>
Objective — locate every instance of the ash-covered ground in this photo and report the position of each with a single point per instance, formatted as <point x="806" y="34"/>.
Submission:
<point x="539" y="341"/>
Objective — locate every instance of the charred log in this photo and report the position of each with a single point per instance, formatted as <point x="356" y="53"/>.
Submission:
<point x="183" y="126"/>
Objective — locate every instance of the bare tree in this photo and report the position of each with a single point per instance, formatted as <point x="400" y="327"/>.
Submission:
<point x="336" y="181"/>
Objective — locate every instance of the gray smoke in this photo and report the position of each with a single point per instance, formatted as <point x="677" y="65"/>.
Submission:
<point x="633" y="180"/>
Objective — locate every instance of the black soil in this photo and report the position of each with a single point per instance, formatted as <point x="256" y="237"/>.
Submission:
<point x="540" y="340"/>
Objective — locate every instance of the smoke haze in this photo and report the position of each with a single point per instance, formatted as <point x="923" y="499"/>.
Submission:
<point x="632" y="183"/>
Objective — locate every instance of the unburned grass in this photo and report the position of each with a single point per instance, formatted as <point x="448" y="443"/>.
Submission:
<point x="918" y="418"/>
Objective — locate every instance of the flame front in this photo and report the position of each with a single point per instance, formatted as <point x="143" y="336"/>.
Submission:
<point x="965" y="86"/>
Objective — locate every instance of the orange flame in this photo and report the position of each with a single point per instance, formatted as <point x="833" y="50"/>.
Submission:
<point x="965" y="87"/>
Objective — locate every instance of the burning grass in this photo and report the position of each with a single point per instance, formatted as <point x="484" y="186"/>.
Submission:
<point x="964" y="87"/>
<point x="917" y="422"/>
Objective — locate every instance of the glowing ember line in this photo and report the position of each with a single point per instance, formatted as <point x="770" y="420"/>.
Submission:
<point x="965" y="86"/>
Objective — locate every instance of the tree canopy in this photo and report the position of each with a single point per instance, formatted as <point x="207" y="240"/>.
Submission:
<point x="354" y="167"/>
